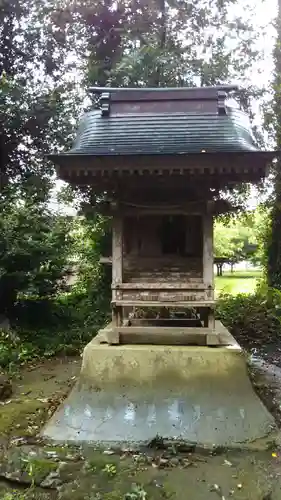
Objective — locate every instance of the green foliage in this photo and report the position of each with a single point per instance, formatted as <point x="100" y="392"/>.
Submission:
<point x="50" y="323"/>
<point x="110" y="470"/>
<point x="47" y="322"/>
<point x="137" y="493"/>
<point x="60" y="325"/>
<point x="262" y="230"/>
<point x="243" y="237"/>
<point x="14" y="495"/>
<point x="35" y="99"/>
<point x="252" y="317"/>
<point x="35" y="95"/>
<point x="93" y="239"/>
<point x="273" y="254"/>
<point x="34" y="246"/>
<point x="231" y="240"/>
<point x="38" y="468"/>
<point x="160" y="43"/>
<point x="273" y="126"/>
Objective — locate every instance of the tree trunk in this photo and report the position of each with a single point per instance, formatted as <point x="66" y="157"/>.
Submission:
<point x="162" y="42"/>
<point x="274" y="244"/>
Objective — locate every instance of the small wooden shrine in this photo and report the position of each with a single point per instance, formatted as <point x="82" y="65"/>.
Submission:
<point x="160" y="159"/>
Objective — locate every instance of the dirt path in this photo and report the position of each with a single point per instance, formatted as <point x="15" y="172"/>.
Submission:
<point x="32" y="469"/>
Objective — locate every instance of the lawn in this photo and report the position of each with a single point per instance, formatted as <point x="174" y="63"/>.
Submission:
<point x="237" y="282"/>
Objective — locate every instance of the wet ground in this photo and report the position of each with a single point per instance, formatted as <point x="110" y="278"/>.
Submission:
<point x="30" y="468"/>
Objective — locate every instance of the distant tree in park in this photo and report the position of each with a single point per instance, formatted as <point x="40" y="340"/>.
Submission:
<point x="241" y="238"/>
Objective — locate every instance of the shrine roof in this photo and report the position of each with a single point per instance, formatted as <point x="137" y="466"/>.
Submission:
<point x="163" y="122"/>
<point x="163" y="137"/>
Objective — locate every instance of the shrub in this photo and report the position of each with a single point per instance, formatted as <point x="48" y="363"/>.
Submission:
<point x="252" y="317"/>
<point x="55" y="325"/>
<point x="13" y="351"/>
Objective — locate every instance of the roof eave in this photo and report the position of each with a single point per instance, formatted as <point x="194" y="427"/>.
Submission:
<point x="62" y="159"/>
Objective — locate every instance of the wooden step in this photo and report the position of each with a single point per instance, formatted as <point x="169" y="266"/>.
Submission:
<point x="162" y="303"/>
<point x="165" y="335"/>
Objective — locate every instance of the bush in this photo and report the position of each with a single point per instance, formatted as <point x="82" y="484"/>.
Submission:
<point x="13" y="351"/>
<point x="55" y="325"/>
<point x="252" y="317"/>
<point x="63" y="324"/>
<point x="60" y="324"/>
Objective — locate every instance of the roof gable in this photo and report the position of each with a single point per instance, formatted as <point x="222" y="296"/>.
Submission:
<point x="157" y="101"/>
<point x="163" y="121"/>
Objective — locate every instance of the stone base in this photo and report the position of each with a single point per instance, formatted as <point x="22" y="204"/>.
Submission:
<point x="160" y="335"/>
<point x="128" y="394"/>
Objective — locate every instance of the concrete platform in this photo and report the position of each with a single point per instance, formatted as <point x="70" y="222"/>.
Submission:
<point x="128" y="394"/>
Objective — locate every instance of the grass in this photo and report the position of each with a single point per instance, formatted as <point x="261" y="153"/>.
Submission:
<point x="237" y="282"/>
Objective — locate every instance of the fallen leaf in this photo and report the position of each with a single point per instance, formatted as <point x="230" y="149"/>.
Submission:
<point x="18" y="441"/>
<point x="216" y="488"/>
<point x="226" y="462"/>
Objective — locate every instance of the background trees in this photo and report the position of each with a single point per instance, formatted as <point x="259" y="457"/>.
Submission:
<point x="243" y="238"/>
<point x="36" y="113"/>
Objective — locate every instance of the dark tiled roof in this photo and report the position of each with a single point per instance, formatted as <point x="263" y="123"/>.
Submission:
<point x="192" y="133"/>
<point x="163" y="133"/>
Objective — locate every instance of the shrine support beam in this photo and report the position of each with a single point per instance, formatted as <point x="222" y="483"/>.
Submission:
<point x="117" y="268"/>
<point x="208" y="260"/>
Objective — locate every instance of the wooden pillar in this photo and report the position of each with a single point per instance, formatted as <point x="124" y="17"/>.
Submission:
<point x="208" y="261"/>
<point x="117" y="264"/>
<point x="117" y="250"/>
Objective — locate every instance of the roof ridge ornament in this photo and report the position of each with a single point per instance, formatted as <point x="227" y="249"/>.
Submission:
<point x="124" y="90"/>
<point x="221" y="103"/>
<point x="105" y="103"/>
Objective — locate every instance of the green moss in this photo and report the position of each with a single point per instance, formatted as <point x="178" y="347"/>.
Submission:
<point x="13" y="495"/>
<point x="113" y="495"/>
<point x="29" y="494"/>
<point x="22" y="417"/>
<point x="168" y="491"/>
